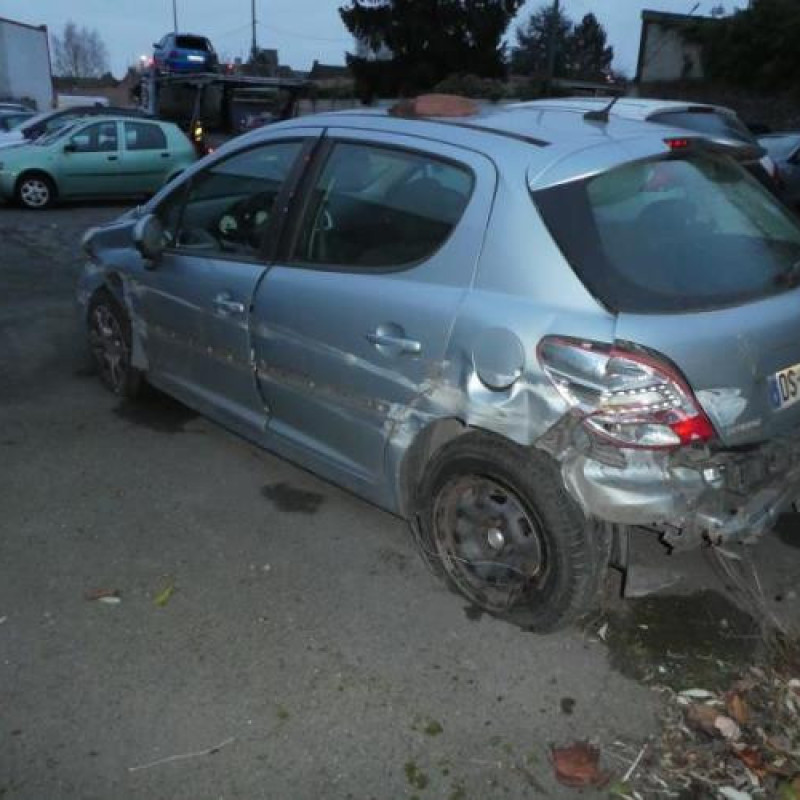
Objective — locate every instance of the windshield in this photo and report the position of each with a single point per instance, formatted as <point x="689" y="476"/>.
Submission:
<point x="67" y="128"/>
<point x="781" y="148"/>
<point x="707" y="121"/>
<point x="685" y="234"/>
<point x="192" y="43"/>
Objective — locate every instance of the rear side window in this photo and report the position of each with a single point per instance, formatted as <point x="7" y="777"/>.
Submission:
<point x="192" y="43"/>
<point x="709" y="122"/>
<point x="375" y="207"/>
<point x="686" y="234"/>
<point x="142" y="136"/>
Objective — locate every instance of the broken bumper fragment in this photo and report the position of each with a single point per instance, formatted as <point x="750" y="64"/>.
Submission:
<point x="690" y="496"/>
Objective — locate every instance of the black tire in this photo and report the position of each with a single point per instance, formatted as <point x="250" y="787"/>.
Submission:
<point x="524" y="551"/>
<point x="109" y="335"/>
<point x="35" y="191"/>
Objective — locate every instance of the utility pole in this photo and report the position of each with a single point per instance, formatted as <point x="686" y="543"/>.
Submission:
<point x="254" y="45"/>
<point x="175" y="15"/>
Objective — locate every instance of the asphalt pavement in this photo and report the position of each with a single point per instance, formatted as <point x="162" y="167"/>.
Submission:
<point x="273" y="636"/>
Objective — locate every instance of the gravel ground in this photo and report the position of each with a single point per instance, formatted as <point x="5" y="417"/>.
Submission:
<point x="305" y="651"/>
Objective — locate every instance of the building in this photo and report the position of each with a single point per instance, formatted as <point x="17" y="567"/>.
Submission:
<point x="330" y="76"/>
<point x="117" y="93"/>
<point x="25" y="73"/>
<point x="667" y="51"/>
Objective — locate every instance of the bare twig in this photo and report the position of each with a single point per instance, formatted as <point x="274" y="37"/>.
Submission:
<point x="637" y="761"/>
<point x="184" y="756"/>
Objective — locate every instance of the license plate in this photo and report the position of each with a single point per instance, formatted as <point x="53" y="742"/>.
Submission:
<point x="784" y="387"/>
<point x="196" y="58"/>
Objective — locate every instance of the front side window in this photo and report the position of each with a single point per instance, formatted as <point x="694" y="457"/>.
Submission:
<point x="228" y="207"/>
<point x="144" y="136"/>
<point x="684" y="234"/>
<point x="98" y="138"/>
<point x="375" y="207"/>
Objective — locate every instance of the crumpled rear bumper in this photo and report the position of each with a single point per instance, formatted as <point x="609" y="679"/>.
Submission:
<point x="691" y="495"/>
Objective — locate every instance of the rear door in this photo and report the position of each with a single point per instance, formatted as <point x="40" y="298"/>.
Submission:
<point x="146" y="160"/>
<point x="90" y="162"/>
<point x="352" y="326"/>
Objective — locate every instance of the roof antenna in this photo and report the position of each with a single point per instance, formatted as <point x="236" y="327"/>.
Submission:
<point x="602" y="114"/>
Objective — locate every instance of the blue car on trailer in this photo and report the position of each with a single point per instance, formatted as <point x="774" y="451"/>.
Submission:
<point x="184" y="52"/>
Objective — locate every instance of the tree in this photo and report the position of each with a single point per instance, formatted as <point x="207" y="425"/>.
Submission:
<point x="755" y="47"/>
<point x="587" y="52"/>
<point x="79" y="53"/>
<point x="426" y="41"/>
<point x="530" y="56"/>
<point x="581" y="51"/>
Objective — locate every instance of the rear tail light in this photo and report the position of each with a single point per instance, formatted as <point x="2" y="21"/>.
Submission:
<point x="678" y="143"/>
<point x="629" y="398"/>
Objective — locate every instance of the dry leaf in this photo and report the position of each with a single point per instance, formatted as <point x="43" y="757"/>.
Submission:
<point x="162" y="598"/>
<point x="727" y="727"/>
<point x="697" y="694"/>
<point x="703" y="718"/>
<point x="578" y="765"/>
<point x="737" y="707"/>
<point x="751" y="757"/>
<point x="102" y="594"/>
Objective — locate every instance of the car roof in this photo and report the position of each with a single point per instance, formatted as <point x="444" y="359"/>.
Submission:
<point x="541" y="127"/>
<point x="638" y="108"/>
<point x="549" y="145"/>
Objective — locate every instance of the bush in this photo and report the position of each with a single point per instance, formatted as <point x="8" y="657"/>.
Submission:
<point x="473" y="86"/>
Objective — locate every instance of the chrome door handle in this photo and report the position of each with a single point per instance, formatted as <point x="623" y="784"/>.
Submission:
<point x="394" y="342"/>
<point x="223" y="302"/>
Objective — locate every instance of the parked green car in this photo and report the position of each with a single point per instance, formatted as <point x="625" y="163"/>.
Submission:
<point x="95" y="157"/>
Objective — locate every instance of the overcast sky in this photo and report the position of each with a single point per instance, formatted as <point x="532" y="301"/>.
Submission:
<point x="302" y="30"/>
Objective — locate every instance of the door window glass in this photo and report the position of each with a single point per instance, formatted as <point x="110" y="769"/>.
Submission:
<point x="228" y="207"/>
<point x="144" y="136"/>
<point x="98" y="138"/>
<point x="376" y="207"/>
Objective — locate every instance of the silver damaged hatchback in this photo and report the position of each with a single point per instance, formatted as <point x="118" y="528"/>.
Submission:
<point x="528" y="331"/>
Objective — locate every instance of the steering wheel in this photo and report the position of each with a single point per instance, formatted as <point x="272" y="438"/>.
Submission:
<point x="246" y="220"/>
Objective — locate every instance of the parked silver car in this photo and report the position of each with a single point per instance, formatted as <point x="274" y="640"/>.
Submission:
<point x="784" y="148"/>
<point x="525" y="331"/>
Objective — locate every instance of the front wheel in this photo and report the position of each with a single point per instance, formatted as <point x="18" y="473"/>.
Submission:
<point x="110" y="345"/>
<point x="497" y="523"/>
<point x="35" y="191"/>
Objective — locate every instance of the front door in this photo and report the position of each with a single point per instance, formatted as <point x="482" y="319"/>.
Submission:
<point x="90" y="164"/>
<point x="353" y="326"/>
<point x="195" y="304"/>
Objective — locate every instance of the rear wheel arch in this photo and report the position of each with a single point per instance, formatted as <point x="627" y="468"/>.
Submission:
<point x="424" y="447"/>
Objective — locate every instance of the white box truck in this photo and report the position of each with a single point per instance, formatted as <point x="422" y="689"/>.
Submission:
<point x="25" y="72"/>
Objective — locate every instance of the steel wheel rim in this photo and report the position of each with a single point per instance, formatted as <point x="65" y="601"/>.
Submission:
<point x="35" y="193"/>
<point x="109" y="348"/>
<point x="490" y="543"/>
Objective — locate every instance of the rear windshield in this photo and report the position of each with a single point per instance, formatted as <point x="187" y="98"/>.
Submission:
<point x="709" y="122"/>
<point x="686" y="234"/>
<point x="192" y="43"/>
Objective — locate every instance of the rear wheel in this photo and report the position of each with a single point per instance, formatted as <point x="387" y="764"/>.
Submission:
<point x="110" y="345"/>
<point x="497" y="523"/>
<point x="35" y="191"/>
